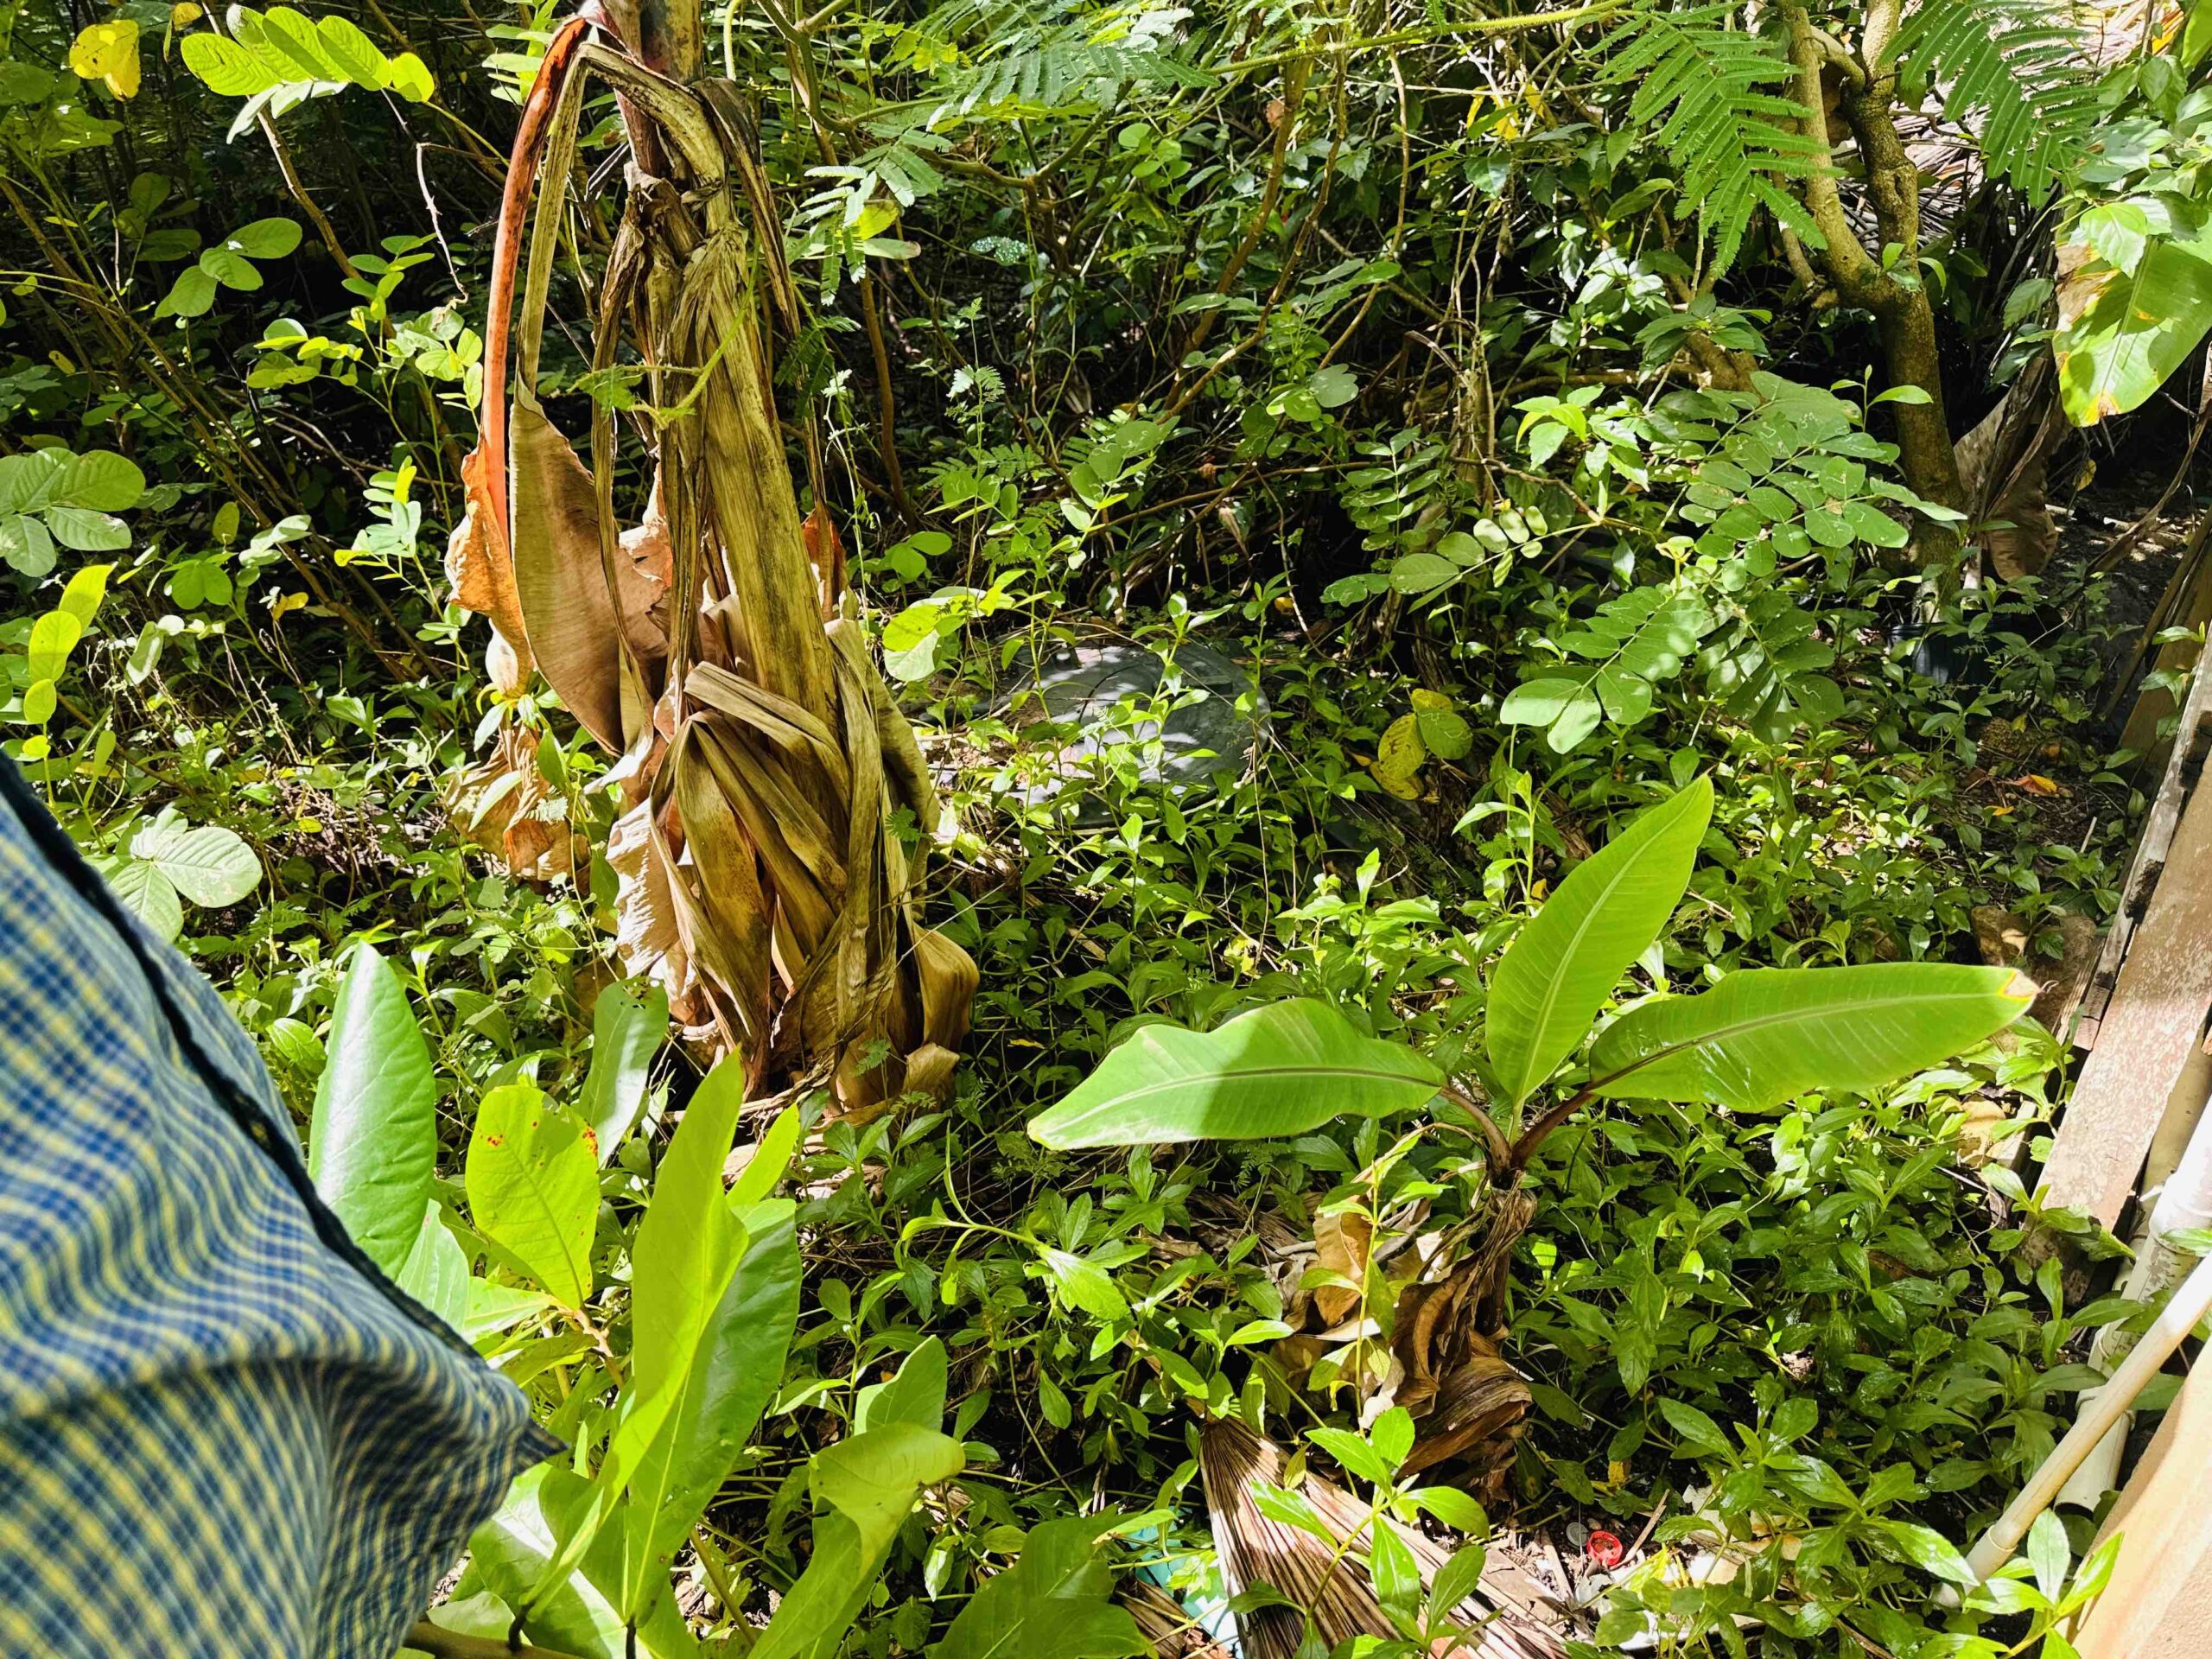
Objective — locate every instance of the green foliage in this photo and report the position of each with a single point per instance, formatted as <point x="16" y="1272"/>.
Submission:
<point x="167" y="864"/>
<point x="1338" y="374"/>
<point x="1275" y="1071"/>
<point x="278" y="58"/>
<point x="2016" y="73"/>
<point x="1759" y="1037"/>
<point x="1702" y="85"/>
<point x="50" y="497"/>
<point x="2135" y="288"/>
<point x="532" y="1188"/>
<point x="1555" y="977"/>
<point x="229" y="264"/>
<point x="1764" y="1035"/>
<point x="372" y="1146"/>
<point x="1055" y="1596"/>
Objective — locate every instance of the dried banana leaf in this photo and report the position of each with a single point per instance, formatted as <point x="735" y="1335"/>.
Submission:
<point x="560" y="575"/>
<point x="1508" y="1618"/>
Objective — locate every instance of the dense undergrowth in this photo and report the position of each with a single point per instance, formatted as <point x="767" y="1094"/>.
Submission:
<point x="1375" y="377"/>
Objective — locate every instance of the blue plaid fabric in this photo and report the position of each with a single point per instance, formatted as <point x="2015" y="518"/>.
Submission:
<point x="222" y="1432"/>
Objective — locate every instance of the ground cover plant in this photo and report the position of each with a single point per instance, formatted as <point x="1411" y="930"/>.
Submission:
<point x="1196" y="721"/>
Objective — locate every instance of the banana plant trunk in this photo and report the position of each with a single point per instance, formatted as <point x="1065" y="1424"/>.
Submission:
<point x="710" y="647"/>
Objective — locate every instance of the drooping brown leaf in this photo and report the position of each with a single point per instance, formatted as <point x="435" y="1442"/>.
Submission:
<point x="647" y="937"/>
<point x="765" y="855"/>
<point x="482" y="576"/>
<point x="560" y="574"/>
<point x="949" y="978"/>
<point x="504" y="805"/>
<point x="643" y="568"/>
<point x="722" y="888"/>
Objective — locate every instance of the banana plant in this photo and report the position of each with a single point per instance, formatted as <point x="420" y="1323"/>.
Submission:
<point x="764" y="878"/>
<point x="1756" y="1036"/>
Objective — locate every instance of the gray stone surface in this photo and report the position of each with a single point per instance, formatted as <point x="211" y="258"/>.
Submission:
<point x="1082" y="684"/>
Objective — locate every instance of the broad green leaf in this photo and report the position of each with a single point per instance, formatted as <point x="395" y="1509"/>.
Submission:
<point x="101" y="480"/>
<point x="53" y="636"/>
<point x="1764" y="1034"/>
<point x="27" y="480"/>
<point x="533" y="1188"/>
<point x="411" y="78"/>
<point x="146" y="893"/>
<point x="81" y="596"/>
<point x="2121" y="335"/>
<point x="231" y="269"/>
<point x="1416" y="574"/>
<point x="373" y="1143"/>
<point x="1056" y="1598"/>
<point x="870" y="1483"/>
<point x="225" y="66"/>
<point x="25" y="544"/>
<point x="435" y="1271"/>
<point x="771" y="1157"/>
<point x="1086" y="1285"/>
<point x="265" y="238"/>
<point x="1560" y="969"/>
<point x="1926" y="1548"/>
<point x="1568" y="709"/>
<point x="191" y="294"/>
<point x="627" y="1029"/>
<point x="681" y="1262"/>
<point x="576" y="1614"/>
<point x="1391" y="1567"/>
<point x="82" y="530"/>
<point x="2048" y="1552"/>
<point x="210" y="865"/>
<point x="1278" y="1070"/>
<point x="734" y="1371"/>
<point x="288" y="41"/>
<point x="351" y="52"/>
<point x="494" y="1307"/>
<point x="915" y="1393"/>
<point x="1458" y="1578"/>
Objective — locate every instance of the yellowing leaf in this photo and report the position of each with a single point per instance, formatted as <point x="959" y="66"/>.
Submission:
<point x="1398" y="758"/>
<point x="184" y="15"/>
<point x="286" y="605"/>
<point x="108" y="52"/>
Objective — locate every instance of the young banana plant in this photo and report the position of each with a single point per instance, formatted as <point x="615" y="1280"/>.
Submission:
<point x="1756" y="1036"/>
<point x="711" y="647"/>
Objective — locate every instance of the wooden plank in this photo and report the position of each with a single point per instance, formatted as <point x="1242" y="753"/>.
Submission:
<point x="2187" y="604"/>
<point x="2159" y="1604"/>
<point x="2153" y="846"/>
<point x="2154" y="1020"/>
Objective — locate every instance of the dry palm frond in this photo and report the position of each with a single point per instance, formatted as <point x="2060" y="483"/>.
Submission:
<point x="1161" y="1619"/>
<point x="764" y="878"/>
<point x="1510" y="1617"/>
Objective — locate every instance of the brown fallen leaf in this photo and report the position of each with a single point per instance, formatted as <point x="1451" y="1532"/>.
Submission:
<point x="1340" y="1246"/>
<point x="1508" y="1616"/>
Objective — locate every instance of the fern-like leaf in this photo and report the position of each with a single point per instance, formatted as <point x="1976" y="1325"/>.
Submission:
<point x="2017" y="74"/>
<point x="1701" y="86"/>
